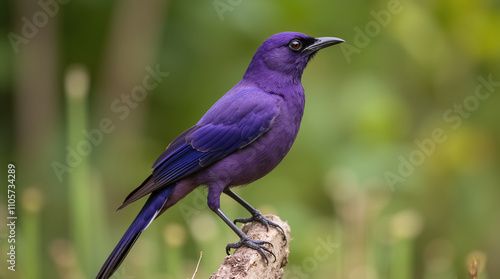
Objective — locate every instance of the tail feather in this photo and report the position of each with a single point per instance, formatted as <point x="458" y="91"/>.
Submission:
<point x="148" y="213"/>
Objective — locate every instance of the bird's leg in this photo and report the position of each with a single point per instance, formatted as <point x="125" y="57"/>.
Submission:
<point x="256" y="215"/>
<point x="245" y="239"/>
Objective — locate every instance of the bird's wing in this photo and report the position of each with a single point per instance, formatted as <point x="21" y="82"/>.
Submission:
<point x="231" y="124"/>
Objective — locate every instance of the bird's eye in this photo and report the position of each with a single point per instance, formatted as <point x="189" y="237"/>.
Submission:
<point x="295" y="45"/>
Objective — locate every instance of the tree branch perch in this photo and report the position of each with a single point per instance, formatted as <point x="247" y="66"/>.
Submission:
<point x="247" y="263"/>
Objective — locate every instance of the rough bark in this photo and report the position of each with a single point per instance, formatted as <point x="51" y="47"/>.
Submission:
<point x="249" y="264"/>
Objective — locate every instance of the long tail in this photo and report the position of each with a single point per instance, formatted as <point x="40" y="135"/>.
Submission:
<point x="148" y="213"/>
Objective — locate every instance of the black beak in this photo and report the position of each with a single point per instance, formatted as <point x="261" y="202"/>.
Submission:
<point x="323" y="42"/>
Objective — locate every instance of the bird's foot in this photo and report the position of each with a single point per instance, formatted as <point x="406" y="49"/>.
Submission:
<point x="257" y="216"/>
<point x="254" y="244"/>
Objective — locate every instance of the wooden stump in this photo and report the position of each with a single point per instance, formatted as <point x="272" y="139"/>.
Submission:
<point x="248" y="263"/>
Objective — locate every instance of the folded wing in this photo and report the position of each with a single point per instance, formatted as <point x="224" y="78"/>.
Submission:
<point x="231" y="124"/>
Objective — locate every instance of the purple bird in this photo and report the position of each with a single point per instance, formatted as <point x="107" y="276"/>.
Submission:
<point x="240" y="139"/>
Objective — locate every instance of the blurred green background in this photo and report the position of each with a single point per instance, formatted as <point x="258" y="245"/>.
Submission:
<point x="396" y="166"/>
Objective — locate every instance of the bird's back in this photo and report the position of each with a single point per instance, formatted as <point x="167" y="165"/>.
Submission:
<point x="268" y="150"/>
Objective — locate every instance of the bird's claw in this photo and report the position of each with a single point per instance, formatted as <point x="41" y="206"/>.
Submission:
<point x="257" y="216"/>
<point x="253" y="244"/>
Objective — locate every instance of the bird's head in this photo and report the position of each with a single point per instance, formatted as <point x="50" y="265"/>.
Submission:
<point x="282" y="58"/>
